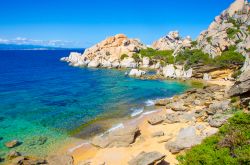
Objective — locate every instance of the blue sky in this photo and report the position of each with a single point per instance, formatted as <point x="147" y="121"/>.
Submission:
<point x="81" y="23"/>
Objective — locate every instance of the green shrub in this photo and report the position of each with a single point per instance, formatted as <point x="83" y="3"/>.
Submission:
<point x="231" y="32"/>
<point x="123" y="56"/>
<point x="248" y="28"/>
<point x="229" y="58"/>
<point x="164" y="55"/>
<point x="136" y="57"/>
<point x="234" y="22"/>
<point x="194" y="43"/>
<point x="209" y="39"/>
<point x="236" y="73"/>
<point x="229" y="146"/>
<point x="192" y="57"/>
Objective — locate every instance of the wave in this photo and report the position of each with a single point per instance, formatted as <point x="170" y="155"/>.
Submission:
<point x="149" y="103"/>
<point x="136" y="111"/>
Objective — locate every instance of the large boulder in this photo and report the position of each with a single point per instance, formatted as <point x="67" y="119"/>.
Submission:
<point x="242" y="85"/>
<point x="147" y="158"/>
<point x="128" y="63"/>
<point x="186" y="138"/>
<point x="118" y="138"/>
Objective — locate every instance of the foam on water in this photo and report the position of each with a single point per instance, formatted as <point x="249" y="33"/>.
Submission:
<point x="150" y="103"/>
<point x="118" y="126"/>
<point x="136" y="111"/>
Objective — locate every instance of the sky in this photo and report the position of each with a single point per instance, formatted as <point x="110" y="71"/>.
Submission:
<point x="82" y="23"/>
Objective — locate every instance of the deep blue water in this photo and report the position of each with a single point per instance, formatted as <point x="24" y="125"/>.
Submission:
<point x="39" y="95"/>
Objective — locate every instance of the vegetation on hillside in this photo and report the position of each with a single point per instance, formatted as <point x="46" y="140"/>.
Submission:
<point x="230" y="146"/>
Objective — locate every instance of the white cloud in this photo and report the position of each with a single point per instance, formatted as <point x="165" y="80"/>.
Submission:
<point x="26" y="41"/>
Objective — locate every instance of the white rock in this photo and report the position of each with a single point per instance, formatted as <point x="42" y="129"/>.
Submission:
<point x="94" y="64"/>
<point x="207" y="77"/>
<point x="136" y="73"/>
<point x="169" y="71"/>
<point x="128" y="62"/>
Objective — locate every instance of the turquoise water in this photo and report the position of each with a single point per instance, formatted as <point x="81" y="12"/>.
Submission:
<point x="43" y="97"/>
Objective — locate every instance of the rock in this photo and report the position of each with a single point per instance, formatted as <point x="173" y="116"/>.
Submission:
<point x="12" y="144"/>
<point x="13" y="154"/>
<point x="169" y="71"/>
<point x="207" y="77"/>
<point x="186" y="139"/>
<point x="238" y="5"/>
<point x="128" y="63"/>
<point x="94" y="64"/>
<point x="158" y="134"/>
<point x="218" y="106"/>
<point x="242" y="86"/>
<point x="118" y="138"/>
<point x="60" y="159"/>
<point x="147" y="158"/>
<point x="40" y="140"/>
<point x="18" y="160"/>
<point x="156" y="119"/>
<point x="136" y="73"/>
<point x="145" y="62"/>
<point x="162" y="102"/>
<point x="177" y="106"/>
<point x="210" y="132"/>
<point x="1" y="138"/>
<point x="172" y="118"/>
<point x="108" y="51"/>
<point x="21" y="160"/>
<point x="218" y="120"/>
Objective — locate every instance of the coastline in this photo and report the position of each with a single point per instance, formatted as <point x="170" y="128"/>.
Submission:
<point x="84" y="152"/>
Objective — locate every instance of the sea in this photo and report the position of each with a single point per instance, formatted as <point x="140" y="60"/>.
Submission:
<point x="45" y="103"/>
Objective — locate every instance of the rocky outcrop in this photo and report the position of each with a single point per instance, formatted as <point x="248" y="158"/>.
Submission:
<point x="242" y="87"/>
<point x="118" y="138"/>
<point x="176" y="71"/>
<point x="228" y="29"/>
<point x="60" y="159"/>
<point x="107" y="53"/>
<point x="149" y="158"/>
<point x="172" y="41"/>
<point x="136" y="73"/>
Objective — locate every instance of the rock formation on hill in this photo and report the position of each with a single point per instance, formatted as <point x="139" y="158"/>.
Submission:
<point x="230" y="28"/>
<point x="172" y="41"/>
<point x="108" y="53"/>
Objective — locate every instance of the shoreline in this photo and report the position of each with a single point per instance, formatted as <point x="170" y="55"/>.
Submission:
<point x="84" y="151"/>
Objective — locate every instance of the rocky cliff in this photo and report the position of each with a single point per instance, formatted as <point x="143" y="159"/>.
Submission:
<point x="230" y="28"/>
<point x="108" y="53"/>
<point x="172" y="41"/>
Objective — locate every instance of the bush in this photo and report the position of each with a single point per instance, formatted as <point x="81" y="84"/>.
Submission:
<point x="192" y="57"/>
<point x="136" y="57"/>
<point x="236" y="74"/>
<point x="194" y="43"/>
<point x="229" y="146"/>
<point x="164" y="55"/>
<point x="229" y="58"/>
<point x="231" y="32"/>
<point x="123" y="56"/>
<point x="209" y="39"/>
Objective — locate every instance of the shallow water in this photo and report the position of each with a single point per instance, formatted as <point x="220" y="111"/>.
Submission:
<point x="43" y="97"/>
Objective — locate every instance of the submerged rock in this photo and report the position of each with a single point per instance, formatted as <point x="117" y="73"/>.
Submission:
<point x="12" y="144"/>
<point x="13" y="154"/>
<point x="149" y="158"/>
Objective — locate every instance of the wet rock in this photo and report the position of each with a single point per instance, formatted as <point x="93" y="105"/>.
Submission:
<point x="13" y="154"/>
<point x="162" y="102"/>
<point x="149" y="158"/>
<point x="158" y="134"/>
<point x="60" y="160"/>
<point x="1" y="138"/>
<point x="156" y="119"/>
<point x="12" y="144"/>
<point x="119" y="138"/>
<point x="186" y="139"/>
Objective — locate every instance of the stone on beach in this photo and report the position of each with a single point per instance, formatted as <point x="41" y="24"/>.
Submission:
<point x="147" y="158"/>
<point x="156" y="119"/>
<point x="158" y="134"/>
<point x="60" y="160"/>
<point x="136" y="73"/>
<point x="118" y="138"/>
<point x="185" y="139"/>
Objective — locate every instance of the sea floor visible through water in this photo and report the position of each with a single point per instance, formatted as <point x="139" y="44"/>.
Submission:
<point x="46" y="104"/>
